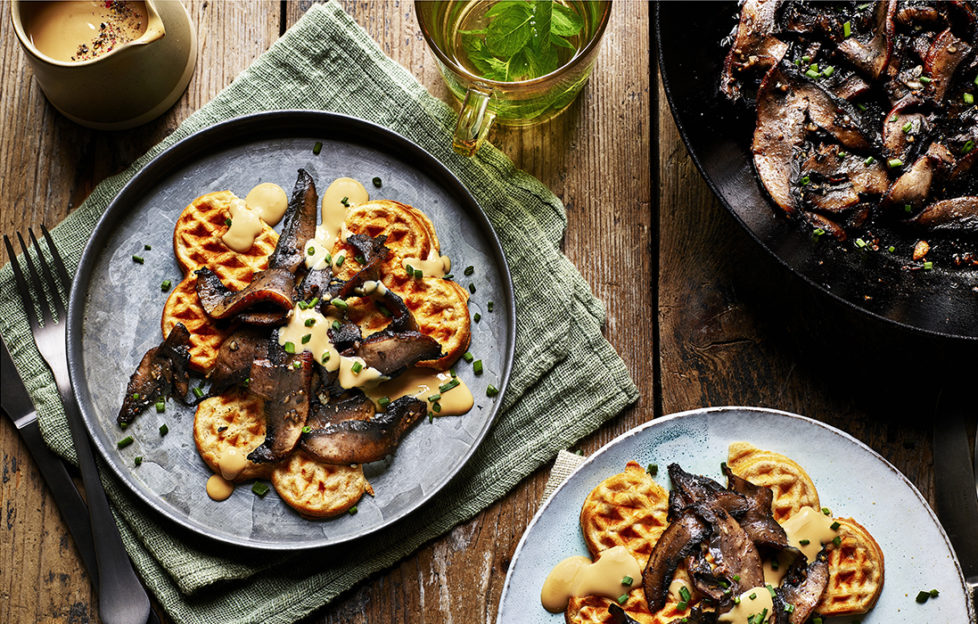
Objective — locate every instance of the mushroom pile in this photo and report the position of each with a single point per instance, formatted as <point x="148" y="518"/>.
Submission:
<point x="866" y="113"/>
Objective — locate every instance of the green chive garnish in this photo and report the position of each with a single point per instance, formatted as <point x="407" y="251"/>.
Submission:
<point x="356" y="368"/>
<point x="811" y="73"/>
<point x="870" y="160"/>
<point x="477" y="367"/>
<point x="907" y="127"/>
<point x="409" y="269"/>
<point x="968" y="146"/>
<point x="138" y="460"/>
<point x="345" y="201"/>
<point x="753" y="596"/>
<point x="469" y="270"/>
<point x="160" y="407"/>
<point x="489" y="306"/>
<point x="652" y="469"/>
<point x="436" y="407"/>
<point x="318" y="147"/>
<point x="164" y="429"/>
<point x="124" y="442"/>
<point x="310" y="322"/>
<point x="834" y="526"/>
<point x="477" y="317"/>
<point x="491" y="390"/>
<point x="137" y="259"/>
<point x="227" y="222"/>
<point x="828" y="71"/>
<point x="360" y="259"/>
<point x="339" y="303"/>
<point x="339" y="260"/>
<point x="384" y="402"/>
<point x="925" y="80"/>
<point x="289" y="347"/>
<point x="198" y="392"/>
<point x="297" y="365"/>
<point x="434" y="398"/>
<point x="448" y="386"/>
<point x="969" y="99"/>
<point x="860" y="243"/>
<point x="684" y="593"/>
<point x="418" y="274"/>
<point x="472" y="288"/>
<point x="928" y="265"/>
<point x="836" y="540"/>
<point x="325" y="357"/>
<point x="259" y="489"/>
<point x="311" y="251"/>
<point x="627" y="580"/>
<point x="891" y="248"/>
<point x="934" y="593"/>
<point x="826" y="511"/>
<point x="165" y="286"/>
<point x="352" y="510"/>
<point x="135" y="396"/>
<point x="736" y="577"/>
<point x="922" y="596"/>
<point x="623" y="599"/>
<point x="306" y="429"/>
<point x="306" y="338"/>
<point x="377" y="182"/>
<point x="770" y="590"/>
<point x="468" y="357"/>
<point x="847" y="29"/>
<point x="681" y="606"/>
<point x="336" y="325"/>
<point x="894" y="162"/>
<point x="804" y="542"/>
<point x="789" y="608"/>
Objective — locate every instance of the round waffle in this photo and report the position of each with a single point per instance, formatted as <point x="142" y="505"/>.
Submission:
<point x="594" y="610"/>
<point x="197" y="243"/>
<point x="855" y="572"/>
<point x="628" y="509"/>
<point x="233" y="420"/>
<point x="792" y="487"/>
<point x="318" y="490"/>
<point x="206" y="335"/>
<point x="440" y="308"/>
<point x="409" y="234"/>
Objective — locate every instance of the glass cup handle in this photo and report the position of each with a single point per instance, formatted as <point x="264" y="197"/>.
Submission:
<point x="474" y="121"/>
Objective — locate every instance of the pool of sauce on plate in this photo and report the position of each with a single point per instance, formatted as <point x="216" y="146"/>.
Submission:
<point x="808" y="530"/>
<point x="246" y="225"/>
<point x="432" y="266"/>
<point x="578" y="576"/>
<point x="422" y="384"/>
<point x="752" y="602"/>
<point x="82" y="31"/>
<point x="219" y="488"/>
<point x="269" y="201"/>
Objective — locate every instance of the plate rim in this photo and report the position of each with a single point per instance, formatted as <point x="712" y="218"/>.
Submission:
<point x="330" y="125"/>
<point x="714" y="189"/>
<point x="639" y="429"/>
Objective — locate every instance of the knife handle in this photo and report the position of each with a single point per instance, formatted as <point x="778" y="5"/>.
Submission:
<point x="73" y="510"/>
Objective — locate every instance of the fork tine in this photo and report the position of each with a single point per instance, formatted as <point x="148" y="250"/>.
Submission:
<point x="59" y="266"/>
<point x="57" y="294"/>
<point x="42" y="306"/>
<point x="22" y="289"/>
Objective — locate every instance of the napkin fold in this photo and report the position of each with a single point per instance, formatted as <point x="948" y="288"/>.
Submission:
<point x="566" y="378"/>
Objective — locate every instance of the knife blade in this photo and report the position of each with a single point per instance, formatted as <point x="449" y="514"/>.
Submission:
<point x="17" y="405"/>
<point x="954" y="479"/>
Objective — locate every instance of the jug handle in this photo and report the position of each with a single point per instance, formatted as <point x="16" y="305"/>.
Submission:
<point x="474" y="121"/>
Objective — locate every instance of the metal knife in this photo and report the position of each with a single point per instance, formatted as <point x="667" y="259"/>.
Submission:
<point x="17" y="405"/>
<point x="955" y="478"/>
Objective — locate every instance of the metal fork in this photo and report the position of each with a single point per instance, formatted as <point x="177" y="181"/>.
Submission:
<point x="122" y="598"/>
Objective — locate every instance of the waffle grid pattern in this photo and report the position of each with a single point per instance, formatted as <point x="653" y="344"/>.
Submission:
<point x="792" y="487"/>
<point x="234" y="420"/>
<point x="855" y="572"/>
<point x="318" y="490"/>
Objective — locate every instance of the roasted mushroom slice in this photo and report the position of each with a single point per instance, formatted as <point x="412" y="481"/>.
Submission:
<point x="942" y="60"/>
<point x="619" y="616"/>
<point x="779" y="134"/>
<point x="299" y="225"/>
<point x="161" y="372"/>
<point x="392" y="352"/>
<point x="286" y="389"/>
<point x="758" y="522"/>
<point x="680" y="539"/>
<point x="273" y="289"/>
<point x="914" y="187"/>
<point x="373" y="252"/>
<point x="689" y="489"/>
<point x="359" y="441"/>
<point x="734" y="556"/>
<point x="950" y="215"/>
<point x="755" y="48"/>
<point x="234" y="358"/>
<point x="802" y="588"/>
<point x="870" y="44"/>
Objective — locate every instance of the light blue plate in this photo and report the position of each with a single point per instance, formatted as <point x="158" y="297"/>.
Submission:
<point x="852" y="480"/>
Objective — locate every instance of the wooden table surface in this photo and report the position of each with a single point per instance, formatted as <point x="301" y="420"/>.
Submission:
<point x="697" y="310"/>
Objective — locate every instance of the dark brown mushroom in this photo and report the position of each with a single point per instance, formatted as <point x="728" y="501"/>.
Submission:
<point x="162" y="371"/>
<point x="272" y="289"/>
<point x="357" y="440"/>
<point x="234" y="358"/>
<point x="680" y="539"/>
<point x="299" y="225"/>
<point x="735" y="558"/>
<point x="286" y="388"/>
<point x="755" y="48"/>
<point x="392" y="352"/>
<point x="914" y="187"/>
<point x="758" y="522"/>
<point x="689" y="489"/>
<point x="870" y="49"/>
<point x="802" y="588"/>
<point x="942" y="60"/>
<point x="959" y="214"/>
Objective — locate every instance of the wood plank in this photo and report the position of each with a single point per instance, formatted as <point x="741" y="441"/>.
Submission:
<point x="48" y="165"/>
<point x="594" y="157"/>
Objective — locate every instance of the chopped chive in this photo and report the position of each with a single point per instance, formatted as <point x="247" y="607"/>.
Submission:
<point x="928" y="265"/>
<point x="836" y="540"/>
<point x="135" y="396"/>
<point x="325" y="357"/>
<point x="453" y="373"/>
<point x="447" y="276"/>
<point x="770" y="590"/>
<point x="472" y="288"/>
<point x="356" y="368"/>
<point x="860" y="243"/>
<point x="623" y="599"/>
<point x="811" y="73"/>
<point x="819" y="232"/>
<point x="336" y="325"/>
<point x="907" y="127"/>
<point x="434" y="398"/>
<point x="339" y="303"/>
<point x="311" y="251"/>
<point x="318" y="147"/>
<point x="684" y="593"/>
<point x="861" y="107"/>
<point x="259" y="489"/>
<point x="969" y="98"/>
<point x="137" y="460"/>
<point x="448" y="386"/>
<point x="360" y="259"/>
<point x="816" y="620"/>
<point x="165" y="286"/>
<point x="976" y="81"/>
<point x="627" y="580"/>
<point x="328" y="259"/>
<point x="894" y="162"/>
<point x="198" y="392"/>
<point x="828" y="71"/>
<point x="870" y="160"/>
<point x="968" y="146"/>
<point x="352" y="510"/>
<point x="934" y="593"/>
<point x="409" y="269"/>
<point x="841" y="154"/>
<point x="652" y="469"/>
<point x="489" y="306"/>
<point x="418" y="274"/>
<point x="227" y="222"/>
<point x="339" y="260"/>
<point x="736" y="577"/>
<point x="436" y="407"/>
<point x="345" y="201"/>
<point x="847" y="29"/>
<point x="922" y="596"/>
<point x="431" y="417"/>
<point x="310" y="322"/>
<point x="306" y="429"/>
<point x="681" y="606"/>
<point x="736" y="599"/>
<point x="148" y="247"/>
<point x="297" y="365"/>
<point x="826" y="511"/>
<point x="834" y="526"/>
<point x="122" y="425"/>
<point x="246" y="382"/>
<point x="468" y="357"/>
<point x="925" y="80"/>
<point x="137" y="259"/>
<point x="124" y="442"/>
<point x="384" y="401"/>
<point x="491" y="390"/>
<point x="377" y="182"/>
<point x="477" y="367"/>
<point x="908" y="208"/>
<point x="789" y="608"/>
<point x="806" y="59"/>
<point x="306" y="338"/>
<point x="753" y="596"/>
<point x="477" y="317"/>
<point x="289" y="347"/>
<point x="469" y="270"/>
<point x="891" y="248"/>
<point x="164" y="429"/>
<point x="804" y="542"/>
<point x="160" y="407"/>
<point x="805" y="181"/>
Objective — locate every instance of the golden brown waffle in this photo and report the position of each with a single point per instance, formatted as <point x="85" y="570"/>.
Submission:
<point x="855" y="572"/>
<point x="197" y="243"/>
<point x="206" y="336"/>
<point x="440" y="307"/>
<point x="594" y="610"/>
<point x="318" y="490"/>
<point x="628" y="509"/>
<point x="409" y="234"/>
<point x="792" y="487"/>
<point x="233" y="420"/>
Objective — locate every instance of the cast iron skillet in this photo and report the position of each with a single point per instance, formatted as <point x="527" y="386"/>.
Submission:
<point x="718" y="135"/>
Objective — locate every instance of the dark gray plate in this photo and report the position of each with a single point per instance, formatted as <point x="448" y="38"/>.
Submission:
<point x="115" y="308"/>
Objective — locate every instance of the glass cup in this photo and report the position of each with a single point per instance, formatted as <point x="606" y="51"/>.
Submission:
<point x="517" y="103"/>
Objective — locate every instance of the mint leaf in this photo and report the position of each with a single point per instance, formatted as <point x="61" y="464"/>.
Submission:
<point x="508" y="6"/>
<point x="560" y="41"/>
<point x="541" y="62"/>
<point x="564" y="21"/>
<point x="508" y="33"/>
<point x="542" y="10"/>
<point x="489" y="66"/>
<point x="518" y="67"/>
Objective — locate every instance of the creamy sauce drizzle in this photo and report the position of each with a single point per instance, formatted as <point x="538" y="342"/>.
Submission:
<point x="433" y="266"/>
<point x="80" y="31"/>
<point x="677" y="584"/>
<point x="333" y="228"/>
<point x="246" y="225"/>
<point x="219" y="488"/>
<point x="365" y="378"/>
<point x="750" y="606"/>
<point x="269" y="201"/>
<point x="577" y="576"/>
<point x="421" y="384"/>
<point x="373" y="288"/>
<point x="812" y="527"/>
<point x="772" y="575"/>
<point x="231" y="464"/>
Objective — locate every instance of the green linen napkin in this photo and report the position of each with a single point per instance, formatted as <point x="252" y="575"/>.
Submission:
<point x="566" y="378"/>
